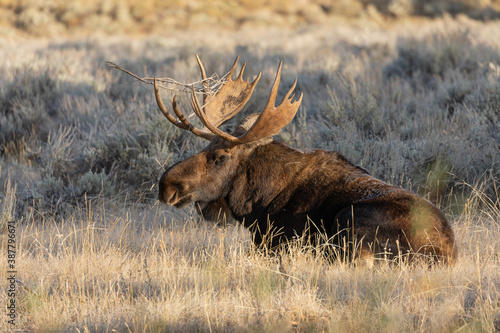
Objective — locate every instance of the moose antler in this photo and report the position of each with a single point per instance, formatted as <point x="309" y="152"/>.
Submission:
<point x="273" y="119"/>
<point x="182" y="121"/>
<point x="230" y="99"/>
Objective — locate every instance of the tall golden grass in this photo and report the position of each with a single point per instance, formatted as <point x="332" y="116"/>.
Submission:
<point x="132" y="267"/>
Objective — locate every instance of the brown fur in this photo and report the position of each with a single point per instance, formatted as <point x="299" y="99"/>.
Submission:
<point x="279" y="193"/>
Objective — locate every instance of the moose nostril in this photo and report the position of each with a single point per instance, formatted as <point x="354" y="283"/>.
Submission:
<point x="172" y="197"/>
<point x="168" y="196"/>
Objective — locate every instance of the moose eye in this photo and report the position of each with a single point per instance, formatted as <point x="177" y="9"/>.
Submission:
<point x="221" y="159"/>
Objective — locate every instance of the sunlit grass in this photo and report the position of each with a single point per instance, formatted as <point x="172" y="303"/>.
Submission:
<point x="54" y="18"/>
<point x="136" y="268"/>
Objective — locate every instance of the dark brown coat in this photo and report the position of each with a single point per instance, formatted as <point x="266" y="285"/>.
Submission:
<point x="279" y="192"/>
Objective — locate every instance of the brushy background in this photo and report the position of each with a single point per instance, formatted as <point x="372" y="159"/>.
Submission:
<point x="409" y="90"/>
<point x="55" y="17"/>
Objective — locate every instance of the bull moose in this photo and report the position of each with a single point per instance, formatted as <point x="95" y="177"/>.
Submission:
<point x="279" y="192"/>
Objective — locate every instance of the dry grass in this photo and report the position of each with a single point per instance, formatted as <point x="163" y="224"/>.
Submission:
<point x="415" y="104"/>
<point x="56" y="18"/>
<point x="138" y="268"/>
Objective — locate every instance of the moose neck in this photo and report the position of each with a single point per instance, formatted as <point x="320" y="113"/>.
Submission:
<point x="265" y="173"/>
<point x="274" y="174"/>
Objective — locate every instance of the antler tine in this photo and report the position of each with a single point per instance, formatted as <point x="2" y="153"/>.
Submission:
<point x="162" y="106"/>
<point x="203" y="77"/>
<point x="179" y="114"/>
<point x="182" y="121"/>
<point x="289" y="93"/>
<point x="204" y="73"/>
<point x="273" y="119"/>
<point x="240" y="77"/>
<point x="230" y="74"/>
<point x="202" y="68"/>
<point x="201" y="114"/>
<point x="274" y="90"/>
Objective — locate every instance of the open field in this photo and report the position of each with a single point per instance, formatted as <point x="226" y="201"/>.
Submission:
<point x="416" y="102"/>
<point x="80" y="17"/>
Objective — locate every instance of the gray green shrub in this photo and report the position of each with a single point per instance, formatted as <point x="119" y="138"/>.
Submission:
<point x="423" y="114"/>
<point x="95" y="184"/>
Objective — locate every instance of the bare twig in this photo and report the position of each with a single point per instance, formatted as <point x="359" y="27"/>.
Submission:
<point x="210" y="85"/>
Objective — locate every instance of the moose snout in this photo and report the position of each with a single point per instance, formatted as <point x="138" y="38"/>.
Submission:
<point x="168" y="196"/>
<point x="166" y="193"/>
<point x="170" y="191"/>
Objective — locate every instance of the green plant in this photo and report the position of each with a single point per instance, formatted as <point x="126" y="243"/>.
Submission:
<point x="95" y="184"/>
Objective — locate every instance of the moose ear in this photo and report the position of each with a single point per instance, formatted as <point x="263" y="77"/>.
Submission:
<point x="248" y="121"/>
<point x="245" y="124"/>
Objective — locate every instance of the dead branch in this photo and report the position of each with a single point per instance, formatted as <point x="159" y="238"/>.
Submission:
<point x="210" y="85"/>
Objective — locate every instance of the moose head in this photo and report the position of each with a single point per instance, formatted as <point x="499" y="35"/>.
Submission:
<point x="206" y="177"/>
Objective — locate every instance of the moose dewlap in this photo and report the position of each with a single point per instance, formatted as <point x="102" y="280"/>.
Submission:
<point x="279" y="192"/>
